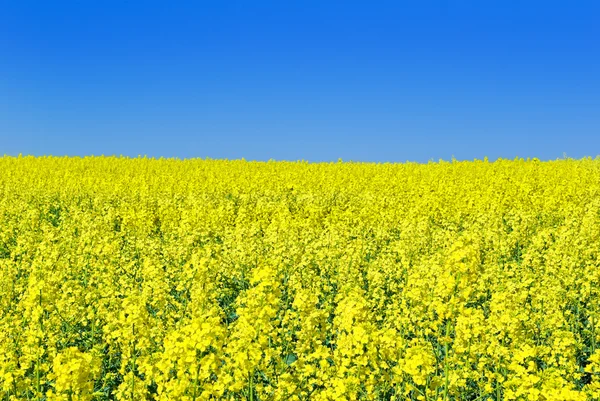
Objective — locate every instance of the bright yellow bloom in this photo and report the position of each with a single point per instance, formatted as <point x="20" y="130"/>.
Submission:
<point x="136" y="279"/>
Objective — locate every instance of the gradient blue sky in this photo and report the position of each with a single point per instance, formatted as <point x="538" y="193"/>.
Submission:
<point x="312" y="80"/>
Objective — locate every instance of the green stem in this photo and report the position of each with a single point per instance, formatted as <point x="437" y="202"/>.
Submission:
<point x="593" y="335"/>
<point x="133" y="370"/>
<point x="250" y="388"/>
<point x="196" y="383"/>
<point x="497" y="386"/>
<point x="446" y="381"/>
<point x="37" y="367"/>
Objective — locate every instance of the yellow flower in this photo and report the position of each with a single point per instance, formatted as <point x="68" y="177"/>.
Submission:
<point x="215" y="279"/>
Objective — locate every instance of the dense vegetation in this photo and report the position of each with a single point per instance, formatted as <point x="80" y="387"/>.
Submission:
<point x="136" y="279"/>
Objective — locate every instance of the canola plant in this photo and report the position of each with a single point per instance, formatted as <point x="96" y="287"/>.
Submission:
<point x="146" y="279"/>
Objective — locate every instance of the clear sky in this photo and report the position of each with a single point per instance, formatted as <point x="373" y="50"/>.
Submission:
<point x="313" y="80"/>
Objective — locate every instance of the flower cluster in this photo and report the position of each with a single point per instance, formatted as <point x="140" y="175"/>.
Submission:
<point x="145" y="279"/>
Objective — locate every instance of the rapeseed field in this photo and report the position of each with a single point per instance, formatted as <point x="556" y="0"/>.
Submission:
<point x="146" y="279"/>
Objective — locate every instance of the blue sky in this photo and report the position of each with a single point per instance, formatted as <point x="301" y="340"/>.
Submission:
<point x="312" y="80"/>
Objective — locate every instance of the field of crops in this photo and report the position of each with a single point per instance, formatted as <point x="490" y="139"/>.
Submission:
<point x="142" y="279"/>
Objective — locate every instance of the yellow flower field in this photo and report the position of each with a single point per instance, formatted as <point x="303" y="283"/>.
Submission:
<point x="144" y="279"/>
